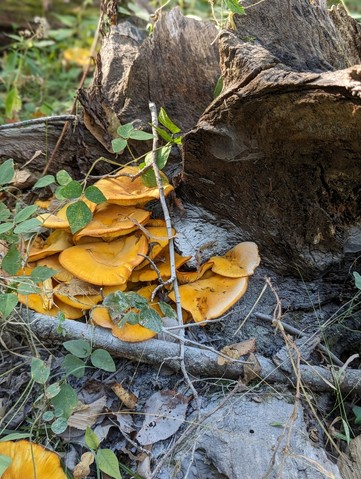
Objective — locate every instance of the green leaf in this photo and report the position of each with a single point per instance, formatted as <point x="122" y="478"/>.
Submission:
<point x="48" y="416"/>
<point x="108" y="463"/>
<point x="14" y="436"/>
<point x="218" y="88"/>
<point x="149" y="318"/>
<point x="125" y="130"/>
<point x="135" y="300"/>
<point x="130" y="317"/>
<point x="102" y="359"/>
<point x="28" y="288"/>
<point x="72" y="190"/>
<point x="25" y="213"/>
<point x="8" y="301"/>
<point x="5" y="462"/>
<point x="42" y="273"/>
<point x="11" y="262"/>
<point x="163" y="134"/>
<point x="12" y="102"/>
<point x="74" y="366"/>
<point x="59" y="425"/>
<point x="44" y="181"/>
<point x="357" y="412"/>
<point x="78" y="347"/>
<point x="357" y="277"/>
<point x="40" y="372"/>
<point x="148" y="178"/>
<point x="140" y="135"/>
<point x="27" y="226"/>
<point x="92" y="193"/>
<point x="167" y="122"/>
<point x="167" y="310"/>
<point x="63" y="177"/>
<point x="5" y="213"/>
<point x="66" y="400"/>
<point x="78" y="215"/>
<point x="235" y="7"/>
<point x="91" y="439"/>
<point x="7" y="172"/>
<point x="52" y="390"/>
<point x="119" y="144"/>
<point x="116" y="302"/>
<point x="163" y="155"/>
<point x="5" y="227"/>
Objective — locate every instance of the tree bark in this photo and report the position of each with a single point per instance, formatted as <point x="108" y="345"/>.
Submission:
<point x="278" y="152"/>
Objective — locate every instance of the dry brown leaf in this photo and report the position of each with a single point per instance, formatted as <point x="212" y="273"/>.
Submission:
<point x="127" y="398"/>
<point x="87" y="415"/>
<point x="251" y="370"/>
<point x="23" y="179"/>
<point x="235" y="351"/>
<point x="350" y="465"/>
<point x="82" y="469"/>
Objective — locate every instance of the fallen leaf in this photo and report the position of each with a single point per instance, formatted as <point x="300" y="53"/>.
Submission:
<point x="350" y="464"/>
<point x="164" y="414"/>
<point x="127" y="398"/>
<point x="251" y="370"/>
<point x="23" y="179"/>
<point x="82" y="469"/>
<point x="88" y="414"/>
<point x="235" y="351"/>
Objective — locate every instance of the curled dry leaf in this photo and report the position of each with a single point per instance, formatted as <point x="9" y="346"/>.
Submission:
<point x="88" y="415"/>
<point x="82" y="469"/>
<point x="237" y="350"/>
<point x="127" y="398"/>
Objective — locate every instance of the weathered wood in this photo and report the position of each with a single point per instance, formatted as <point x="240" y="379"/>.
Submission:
<point x="176" y="67"/>
<point x="278" y="152"/>
<point x="78" y="150"/>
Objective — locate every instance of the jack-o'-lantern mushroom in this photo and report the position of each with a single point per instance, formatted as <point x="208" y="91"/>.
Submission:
<point x="30" y="461"/>
<point x="105" y="264"/>
<point x="239" y="261"/>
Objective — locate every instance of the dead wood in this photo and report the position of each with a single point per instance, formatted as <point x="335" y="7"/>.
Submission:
<point x="277" y="153"/>
<point x="77" y="152"/>
<point x="199" y="362"/>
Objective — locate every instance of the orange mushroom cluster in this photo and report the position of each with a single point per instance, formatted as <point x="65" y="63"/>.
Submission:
<point x="116" y="251"/>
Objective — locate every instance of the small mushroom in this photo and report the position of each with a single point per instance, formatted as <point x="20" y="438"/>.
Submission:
<point x="59" y="220"/>
<point x="105" y="264"/>
<point x="124" y="190"/>
<point x="185" y="277"/>
<point x="211" y="296"/>
<point x="36" y="302"/>
<point x="111" y="221"/>
<point x="240" y="261"/>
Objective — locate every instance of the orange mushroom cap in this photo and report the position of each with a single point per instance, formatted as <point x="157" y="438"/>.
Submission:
<point x="124" y="190"/>
<point x="239" y="261"/>
<point x="30" y="461"/>
<point x="105" y="263"/>
<point x="111" y="221"/>
<point x="35" y="302"/>
<point x="59" y="220"/>
<point x="57" y="241"/>
<point x="211" y="296"/>
<point x="185" y="277"/>
<point x="53" y="262"/>
<point x="147" y="273"/>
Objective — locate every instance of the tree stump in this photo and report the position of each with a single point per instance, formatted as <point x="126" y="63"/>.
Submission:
<point x="279" y="151"/>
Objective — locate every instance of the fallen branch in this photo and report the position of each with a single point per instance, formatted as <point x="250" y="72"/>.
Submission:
<point x="199" y="362"/>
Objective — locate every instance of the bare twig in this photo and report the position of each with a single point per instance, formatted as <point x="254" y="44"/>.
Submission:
<point x="298" y="332"/>
<point x="168" y="222"/>
<point x="36" y="121"/>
